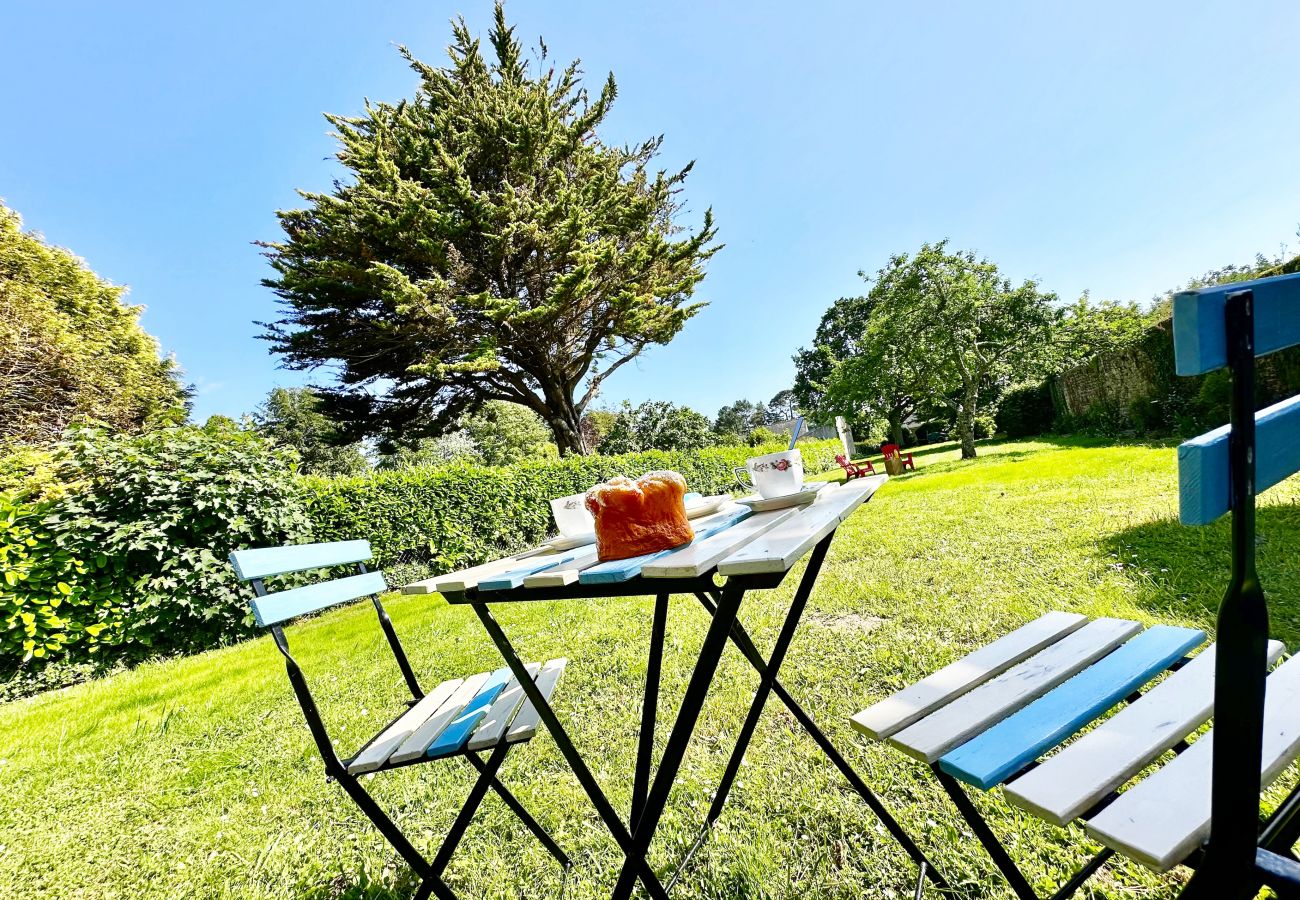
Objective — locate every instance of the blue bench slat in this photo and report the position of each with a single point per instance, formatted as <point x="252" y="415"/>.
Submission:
<point x="617" y="570"/>
<point x="1200" y="331"/>
<point x="1203" y="462"/>
<point x="458" y="730"/>
<point x="1018" y="740"/>
<point x="263" y="562"/>
<point x="286" y="605"/>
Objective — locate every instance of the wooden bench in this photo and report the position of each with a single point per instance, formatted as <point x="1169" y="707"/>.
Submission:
<point x="994" y="717"/>
<point x="462" y="717"/>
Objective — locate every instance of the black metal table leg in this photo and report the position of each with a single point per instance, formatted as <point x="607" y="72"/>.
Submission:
<point x="636" y="864"/>
<point x="697" y="689"/>
<point x="649" y="709"/>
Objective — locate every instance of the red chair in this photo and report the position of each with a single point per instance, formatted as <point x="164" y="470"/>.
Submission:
<point x="904" y="459"/>
<point x="855" y="469"/>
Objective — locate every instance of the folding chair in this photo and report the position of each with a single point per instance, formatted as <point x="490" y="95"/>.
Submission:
<point x="483" y="714"/>
<point x="990" y="718"/>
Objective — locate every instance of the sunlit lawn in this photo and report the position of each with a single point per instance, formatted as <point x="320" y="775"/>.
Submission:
<point x="196" y="777"/>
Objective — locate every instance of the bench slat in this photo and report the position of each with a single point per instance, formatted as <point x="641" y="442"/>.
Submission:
<point x="525" y="724"/>
<point x="263" y="562"/>
<point x="376" y="753"/>
<point x="275" y="608"/>
<point x="1200" y="327"/>
<point x="901" y="709"/>
<point x="697" y="558"/>
<point x="419" y="739"/>
<point x="780" y="548"/>
<point x="1019" y="739"/>
<point x="456" y="734"/>
<point x="617" y="570"/>
<point x="1203" y="462"/>
<point x="1076" y="779"/>
<point x="1163" y="818"/>
<point x="992" y="701"/>
<point x="493" y="726"/>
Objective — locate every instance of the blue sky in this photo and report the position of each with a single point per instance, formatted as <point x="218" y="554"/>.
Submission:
<point x="1114" y="147"/>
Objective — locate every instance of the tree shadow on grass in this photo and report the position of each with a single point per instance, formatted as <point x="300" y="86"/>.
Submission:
<point x="1180" y="572"/>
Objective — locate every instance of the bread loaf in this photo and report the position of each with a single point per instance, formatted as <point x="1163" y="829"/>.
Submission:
<point x="638" y="517"/>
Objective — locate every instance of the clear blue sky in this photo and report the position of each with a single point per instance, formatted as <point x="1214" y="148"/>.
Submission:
<point x="1119" y="147"/>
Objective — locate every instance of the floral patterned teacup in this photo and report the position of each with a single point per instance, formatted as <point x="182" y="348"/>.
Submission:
<point x="773" y="475"/>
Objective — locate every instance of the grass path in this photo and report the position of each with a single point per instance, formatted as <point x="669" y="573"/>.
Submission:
<point x="196" y="778"/>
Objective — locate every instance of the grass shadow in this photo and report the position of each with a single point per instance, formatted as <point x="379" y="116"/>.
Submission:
<point x="1180" y="572"/>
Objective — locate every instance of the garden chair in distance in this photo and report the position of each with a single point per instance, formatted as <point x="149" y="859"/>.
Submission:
<point x="858" y="469"/>
<point x="989" y="718"/>
<point x="905" y="463"/>
<point x="483" y="714"/>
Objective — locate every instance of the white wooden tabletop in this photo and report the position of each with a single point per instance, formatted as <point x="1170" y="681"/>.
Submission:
<point x="734" y="541"/>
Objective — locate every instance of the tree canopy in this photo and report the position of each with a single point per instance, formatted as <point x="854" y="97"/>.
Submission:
<point x="487" y="245"/>
<point x="657" y="425"/>
<point x="70" y="349"/>
<point x="291" y="417"/>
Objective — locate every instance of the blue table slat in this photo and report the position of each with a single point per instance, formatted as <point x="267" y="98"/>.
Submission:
<point x="1200" y="328"/>
<point x="458" y="730"/>
<point x="617" y="570"/>
<point x="1018" y="740"/>
<point x="513" y="578"/>
<point x="1203" y="462"/>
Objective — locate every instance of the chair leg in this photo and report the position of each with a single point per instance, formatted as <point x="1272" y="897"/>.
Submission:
<point x="466" y="814"/>
<point x="524" y="816"/>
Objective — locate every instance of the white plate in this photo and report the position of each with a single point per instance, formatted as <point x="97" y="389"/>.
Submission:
<point x="807" y="495"/>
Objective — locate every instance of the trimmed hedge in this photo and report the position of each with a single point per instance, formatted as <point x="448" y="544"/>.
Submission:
<point x="435" y="520"/>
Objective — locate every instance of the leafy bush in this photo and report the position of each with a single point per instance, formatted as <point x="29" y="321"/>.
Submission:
<point x="762" y="436"/>
<point x="133" y="553"/>
<point x="460" y="514"/>
<point x="657" y="425"/>
<point x="1025" y="411"/>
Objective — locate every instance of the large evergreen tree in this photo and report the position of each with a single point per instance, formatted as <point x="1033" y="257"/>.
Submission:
<point x="486" y="246"/>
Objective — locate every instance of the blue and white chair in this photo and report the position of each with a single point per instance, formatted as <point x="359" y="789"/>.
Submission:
<point x="990" y="718"/>
<point x="478" y="718"/>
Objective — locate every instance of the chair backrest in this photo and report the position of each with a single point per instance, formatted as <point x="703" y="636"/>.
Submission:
<point x="264" y="562"/>
<point x="842" y="460"/>
<point x="889" y="451"/>
<point x="1201" y="345"/>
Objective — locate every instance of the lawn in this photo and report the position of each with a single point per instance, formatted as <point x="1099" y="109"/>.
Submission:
<point x="196" y="778"/>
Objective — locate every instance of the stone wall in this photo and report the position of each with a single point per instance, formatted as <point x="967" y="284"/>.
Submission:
<point x="1115" y="380"/>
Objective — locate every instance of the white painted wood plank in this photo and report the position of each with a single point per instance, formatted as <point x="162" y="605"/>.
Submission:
<point x="896" y="712"/>
<point x="994" y="700"/>
<point x="566" y="573"/>
<point x="465" y="579"/>
<point x="419" y="740"/>
<point x="525" y="724"/>
<point x="378" y="751"/>
<point x="1163" y="818"/>
<point x="1076" y="779"/>
<point x="697" y="558"/>
<point x="617" y="570"/>
<point x="489" y="731"/>
<point x="780" y="548"/>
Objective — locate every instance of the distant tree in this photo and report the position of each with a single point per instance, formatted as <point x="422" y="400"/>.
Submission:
<point x="292" y="417"/>
<point x="454" y="446"/>
<point x="783" y="405"/>
<point x="596" y="424"/>
<point x="735" y="418"/>
<point x="762" y="435"/>
<point x="71" y="351"/>
<point x="507" y="433"/>
<point x="657" y="425"/>
<point x="1087" y="329"/>
<point x="486" y="245"/>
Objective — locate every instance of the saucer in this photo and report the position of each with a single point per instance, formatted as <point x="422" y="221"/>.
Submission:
<point x="807" y="495"/>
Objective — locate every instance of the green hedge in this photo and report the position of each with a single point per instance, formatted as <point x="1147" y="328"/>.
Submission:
<point x="434" y="520"/>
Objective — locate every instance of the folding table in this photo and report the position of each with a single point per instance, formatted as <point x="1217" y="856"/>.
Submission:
<point x="734" y="551"/>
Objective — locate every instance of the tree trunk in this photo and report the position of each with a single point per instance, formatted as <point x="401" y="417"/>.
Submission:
<point x="966" y="419"/>
<point x="896" y="427"/>
<point x="566" y="427"/>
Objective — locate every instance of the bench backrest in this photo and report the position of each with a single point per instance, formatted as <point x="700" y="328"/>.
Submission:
<point x="1201" y="345"/>
<point x="264" y="562"/>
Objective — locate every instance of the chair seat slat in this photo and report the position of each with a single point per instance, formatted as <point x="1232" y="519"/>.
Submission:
<point x="1019" y="739"/>
<point x="1099" y="762"/>
<point x="901" y="709"/>
<point x="1163" y="818"/>
<point x="376" y="753"/>
<point x="264" y="562"/>
<point x="993" y="701"/>
<point x="456" y="734"/>
<point x="279" y="607"/>
<point x="419" y="740"/>
<point x="493" y="726"/>
<point x="524" y="725"/>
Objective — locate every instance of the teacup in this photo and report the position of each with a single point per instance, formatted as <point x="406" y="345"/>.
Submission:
<point x="774" y="474"/>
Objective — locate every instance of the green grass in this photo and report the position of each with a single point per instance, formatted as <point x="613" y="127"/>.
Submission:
<point x="196" y="777"/>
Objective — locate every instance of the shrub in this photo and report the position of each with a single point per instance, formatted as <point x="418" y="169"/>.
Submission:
<point x="1026" y="410"/>
<point x="460" y="514"/>
<point x="761" y="437"/>
<point x="133" y="553"/>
